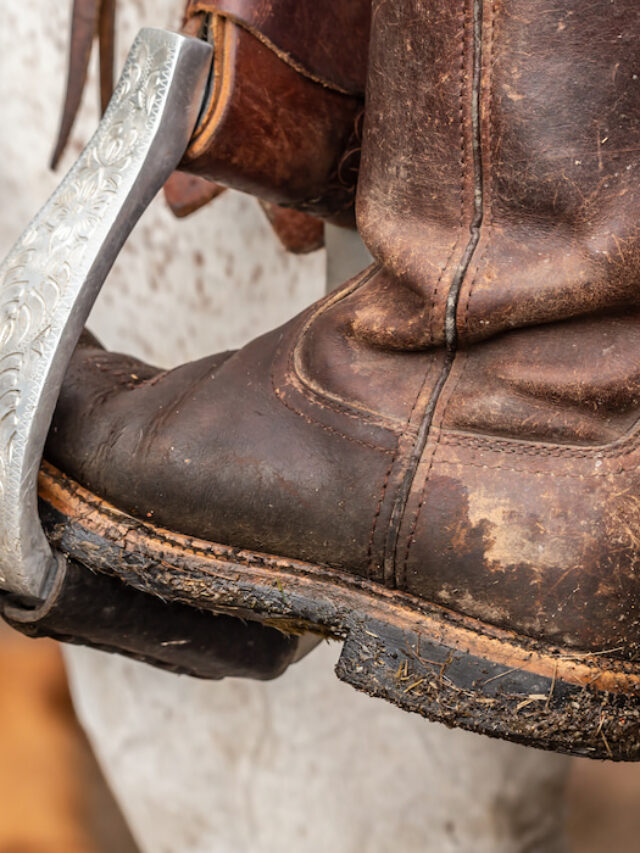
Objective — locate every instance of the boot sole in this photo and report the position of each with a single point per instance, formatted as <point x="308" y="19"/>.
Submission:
<point x="422" y="657"/>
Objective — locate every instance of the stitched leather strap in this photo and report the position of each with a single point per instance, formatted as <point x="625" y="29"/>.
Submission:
<point x="328" y="40"/>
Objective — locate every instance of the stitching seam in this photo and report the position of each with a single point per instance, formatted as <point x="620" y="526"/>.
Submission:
<point x="622" y="448"/>
<point x="561" y="476"/>
<point x="326" y="427"/>
<point x="310" y="420"/>
<point x="320" y="398"/>
<point x="479" y="218"/>
<point x="423" y="492"/>
<point x="388" y="475"/>
<point x="450" y="327"/>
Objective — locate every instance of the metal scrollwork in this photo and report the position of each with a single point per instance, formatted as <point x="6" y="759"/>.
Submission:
<point x="53" y="273"/>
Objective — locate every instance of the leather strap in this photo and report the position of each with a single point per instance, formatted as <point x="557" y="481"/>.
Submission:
<point x="327" y="40"/>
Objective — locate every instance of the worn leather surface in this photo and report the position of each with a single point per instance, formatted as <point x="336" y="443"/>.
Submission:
<point x="272" y="131"/>
<point x="416" y="187"/>
<point x="283" y="116"/>
<point x="327" y="40"/>
<point x="102" y="612"/>
<point x="224" y="449"/>
<point x="461" y="421"/>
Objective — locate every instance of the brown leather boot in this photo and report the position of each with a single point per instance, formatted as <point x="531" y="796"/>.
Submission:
<point x="439" y="462"/>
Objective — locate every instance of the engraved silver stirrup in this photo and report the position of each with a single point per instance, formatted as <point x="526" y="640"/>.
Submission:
<point x="53" y="274"/>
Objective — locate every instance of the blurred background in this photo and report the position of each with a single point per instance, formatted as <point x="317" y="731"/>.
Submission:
<point x="304" y="763"/>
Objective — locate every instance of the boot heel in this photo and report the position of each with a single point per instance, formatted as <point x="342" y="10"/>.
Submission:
<point x="448" y="683"/>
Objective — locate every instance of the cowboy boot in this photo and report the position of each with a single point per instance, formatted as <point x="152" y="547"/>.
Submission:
<point x="437" y="463"/>
<point x="137" y="144"/>
<point x="283" y="109"/>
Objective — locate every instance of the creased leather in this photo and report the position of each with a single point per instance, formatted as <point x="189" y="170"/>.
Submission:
<point x="462" y="421"/>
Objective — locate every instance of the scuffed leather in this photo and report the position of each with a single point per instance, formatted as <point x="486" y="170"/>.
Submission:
<point x="490" y="463"/>
<point x="284" y="116"/>
<point x="559" y="139"/>
<point x="223" y="449"/>
<point x="416" y="186"/>
<point x="327" y="40"/>
<point x="283" y="119"/>
<point x="270" y="131"/>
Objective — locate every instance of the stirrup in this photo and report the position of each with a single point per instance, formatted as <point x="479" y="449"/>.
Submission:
<point x="53" y="274"/>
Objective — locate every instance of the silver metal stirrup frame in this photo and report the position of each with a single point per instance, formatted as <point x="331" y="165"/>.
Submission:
<point x="53" y="274"/>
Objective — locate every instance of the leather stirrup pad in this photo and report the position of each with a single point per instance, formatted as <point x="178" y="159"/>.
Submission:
<point x="96" y="610"/>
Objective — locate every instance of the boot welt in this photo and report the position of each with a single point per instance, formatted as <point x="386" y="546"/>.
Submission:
<point x="422" y="657"/>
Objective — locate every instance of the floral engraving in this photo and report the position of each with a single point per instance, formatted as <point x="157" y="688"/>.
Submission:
<point x="47" y="268"/>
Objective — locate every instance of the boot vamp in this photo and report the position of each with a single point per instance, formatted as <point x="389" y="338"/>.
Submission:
<point x="224" y="450"/>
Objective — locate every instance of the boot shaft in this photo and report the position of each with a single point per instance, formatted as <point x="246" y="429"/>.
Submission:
<point x="501" y="161"/>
